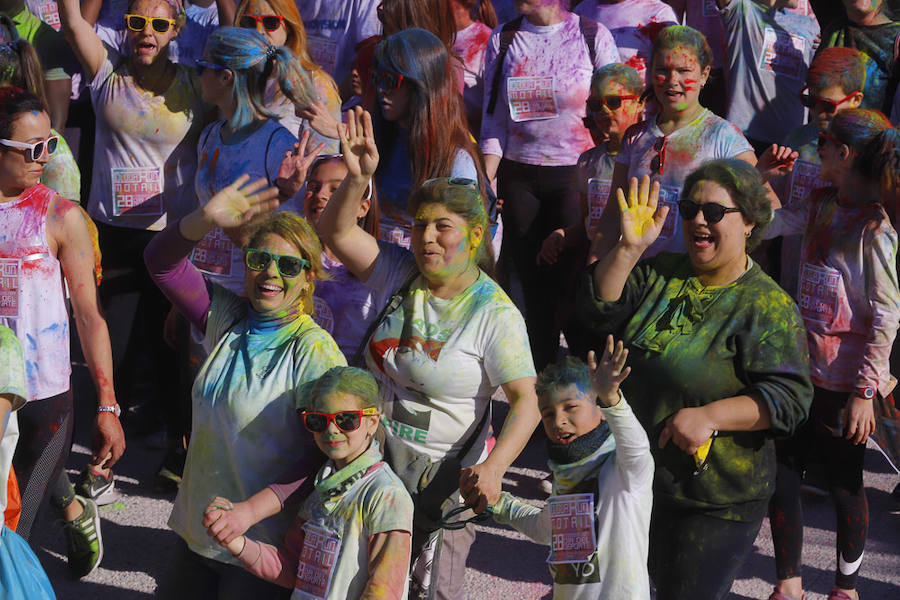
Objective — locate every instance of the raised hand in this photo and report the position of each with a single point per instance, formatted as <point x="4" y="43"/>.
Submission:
<point x="292" y="172"/>
<point x="358" y="143"/>
<point x="609" y="372"/>
<point x="776" y="161"/>
<point x="640" y="221"/>
<point x="320" y="119"/>
<point x="241" y="203"/>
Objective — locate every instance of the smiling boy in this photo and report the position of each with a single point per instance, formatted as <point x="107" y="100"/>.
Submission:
<point x="600" y="458"/>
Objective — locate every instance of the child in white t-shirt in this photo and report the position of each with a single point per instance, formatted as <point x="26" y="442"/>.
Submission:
<point x="352" y="535"/>
<point x="597" y="523"/>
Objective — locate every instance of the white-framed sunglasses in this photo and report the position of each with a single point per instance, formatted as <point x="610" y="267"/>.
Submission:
<point x="37" y="148"/>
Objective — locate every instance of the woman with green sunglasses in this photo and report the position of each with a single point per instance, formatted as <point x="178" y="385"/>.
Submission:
<point x="263" y="351"/>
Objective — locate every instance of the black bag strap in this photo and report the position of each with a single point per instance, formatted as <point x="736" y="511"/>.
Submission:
<point x="588" y="29"/>
<point x="392" y="305"/>
<point x="506" y="37"/>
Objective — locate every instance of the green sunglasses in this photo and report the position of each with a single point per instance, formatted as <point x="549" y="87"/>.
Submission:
<point x="288" y="266"/>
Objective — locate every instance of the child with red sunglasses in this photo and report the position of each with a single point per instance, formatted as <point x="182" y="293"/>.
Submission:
<point x="352" y="535"/>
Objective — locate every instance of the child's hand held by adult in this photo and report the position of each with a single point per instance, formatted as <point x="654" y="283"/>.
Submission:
<point x="480" y="485"/>
<point x="641" y="219"/>
<point x="225" y="520"/>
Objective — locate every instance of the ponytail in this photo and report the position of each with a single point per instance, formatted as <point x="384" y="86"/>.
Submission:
<point x="293" y="81"/>
<point x="879" y="162"/>
<point x="21" y="67"/>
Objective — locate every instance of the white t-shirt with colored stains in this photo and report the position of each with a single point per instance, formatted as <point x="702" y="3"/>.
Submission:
<point x="634" y="24"/>
<point x="537" y="119"/>
<point x="470" y="45"/>
<point x="707" y="137"/>
<point x="593" y="182"/>
<point x="145" y="150"/>
<point x="438" y="361"/>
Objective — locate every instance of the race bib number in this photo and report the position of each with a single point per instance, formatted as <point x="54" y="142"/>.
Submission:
<point x="782" y="54"/>
<point x="213" y="253"/>
<point x="322" y="314"/>
<point x="572" y="537"/>
<point x="323" y="52"/>
<point x="804" y="179"/>
<point x="48" y="12"/>
<point x="137" y="191"/>
<point x="317" y="561"/>
<point x="669" y="196"/>
<point x="9" y="287"/>
<point x="819" y="291"/>
<point x="598" y="193"/>
<point x="531" y="98"/>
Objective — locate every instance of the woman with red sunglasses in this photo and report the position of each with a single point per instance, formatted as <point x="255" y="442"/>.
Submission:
<point x="264" y="349"/>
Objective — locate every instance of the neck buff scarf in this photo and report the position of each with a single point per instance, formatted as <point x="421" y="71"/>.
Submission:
<point x="575" y="465"/>
<point x="260" y="323"/>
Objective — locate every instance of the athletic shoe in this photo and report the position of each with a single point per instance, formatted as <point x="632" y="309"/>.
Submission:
<point x="97" y="486"/>
<point x="776" y="595"/>
<point x="168" y="477"/>
<point x="84" y="541"/>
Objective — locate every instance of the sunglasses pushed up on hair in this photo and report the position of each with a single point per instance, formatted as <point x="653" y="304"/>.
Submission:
<point x="36" y="150"/>
<point x="712" y="211"/>
<point x="345" y="420"/>
<point x="139" y="22"/>
<point x="268" y="22"/>
<point x="287" y="266"/>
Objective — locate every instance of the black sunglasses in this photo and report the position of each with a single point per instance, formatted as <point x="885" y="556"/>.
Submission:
<point x="712" y="212"/>
<point x="288" y="266"/>
<point x="595" y="104"/>
<point x="386" y="80"/>
<point x="269" y="22"/>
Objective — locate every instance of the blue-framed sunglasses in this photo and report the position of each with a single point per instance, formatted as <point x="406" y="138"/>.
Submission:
<point x="288" y="266"/>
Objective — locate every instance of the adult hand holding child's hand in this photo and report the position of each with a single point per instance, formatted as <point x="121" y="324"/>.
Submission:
<point x="225" y="521"/>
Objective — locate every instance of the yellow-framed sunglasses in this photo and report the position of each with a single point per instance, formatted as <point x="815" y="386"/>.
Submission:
<point x="139" y="22"/>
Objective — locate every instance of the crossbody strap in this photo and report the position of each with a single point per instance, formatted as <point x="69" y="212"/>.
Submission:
<point x="392" y="305"/>
<point x="506" y="37"/>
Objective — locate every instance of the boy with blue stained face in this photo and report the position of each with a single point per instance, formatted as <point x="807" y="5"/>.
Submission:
<point x="598" y="453"/>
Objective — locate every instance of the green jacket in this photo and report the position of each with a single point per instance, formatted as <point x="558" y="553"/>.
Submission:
<point x="691" y="345"/>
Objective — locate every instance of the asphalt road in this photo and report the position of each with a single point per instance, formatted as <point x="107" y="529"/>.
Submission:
<point x="502" y="564"/>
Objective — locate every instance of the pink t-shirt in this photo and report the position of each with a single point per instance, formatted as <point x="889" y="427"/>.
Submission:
<point x="545" y="84"/>
<point x="634" y="25"/>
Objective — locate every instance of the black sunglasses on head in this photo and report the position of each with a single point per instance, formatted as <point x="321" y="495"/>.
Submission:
<point x="712" y="212"/>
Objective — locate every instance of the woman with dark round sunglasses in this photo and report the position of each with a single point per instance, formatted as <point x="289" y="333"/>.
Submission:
<point x="280" y="23"/>
<point x="850" y="303"/>
<point x="719" y="368"/>
<point x="684" y="134"/>
<point x="264" y="349"/>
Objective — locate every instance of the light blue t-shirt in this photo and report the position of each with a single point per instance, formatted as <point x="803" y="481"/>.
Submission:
<point x="768" y="54"/>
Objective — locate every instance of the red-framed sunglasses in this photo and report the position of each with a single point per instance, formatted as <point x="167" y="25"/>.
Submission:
<point x="345" y="420"/>
<point x="386" y="80"/>
<point x="825" y="137"/>
<point x="824" y="105"/>
<point x="268" y="22"/>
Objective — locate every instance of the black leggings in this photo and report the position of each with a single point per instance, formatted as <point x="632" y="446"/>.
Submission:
<point x="843" y="462"/>
<point x="536" y="201"/>
<point x="45" y="437"/>
<point x="693" y="555"/>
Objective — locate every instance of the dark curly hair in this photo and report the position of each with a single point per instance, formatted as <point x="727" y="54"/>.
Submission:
<point x="744" y="185"/>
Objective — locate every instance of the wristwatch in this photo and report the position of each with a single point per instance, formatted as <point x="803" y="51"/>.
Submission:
<point x="867" y="392"/>
<point x="114" y="409"/>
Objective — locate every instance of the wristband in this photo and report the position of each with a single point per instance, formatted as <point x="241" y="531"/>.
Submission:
<point x="114" y="409"/>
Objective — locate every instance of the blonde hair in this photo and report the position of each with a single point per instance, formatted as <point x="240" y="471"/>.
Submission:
<point x="296" y="231"/>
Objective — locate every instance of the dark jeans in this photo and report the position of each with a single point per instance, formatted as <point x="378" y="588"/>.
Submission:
<point x="536" y="201"/>
<point x="200" y="578"/>
<point x="45" y="438"/>
<point x="135" y="313"/>
<point x="693" y="555"/>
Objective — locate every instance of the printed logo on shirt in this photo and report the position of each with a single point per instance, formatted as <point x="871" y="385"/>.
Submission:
<point x="48" y="12"/>
<point x="408" y="424"/>
<point x="322" y="314"/>
<point x="669" y="196"/>
<point x="819" y="292"/>
<point x="783" y="53"/>
<point x="323" y="52"/>
<point x="137" y="191"/>
<point x="531" y="98"/>
<point x="572" y="537"/>
<point x="325" y="24"/>
<point x="9" y="287"/>
<point x="804" y="179"/>
<point x="598" y="193"/>
<point x="213" y="254"/>
<point x="318" y="558"/>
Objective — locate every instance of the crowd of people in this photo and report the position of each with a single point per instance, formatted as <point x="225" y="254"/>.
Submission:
<point x="312" y="239"/>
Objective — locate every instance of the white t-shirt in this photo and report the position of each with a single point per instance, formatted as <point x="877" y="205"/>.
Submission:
<point x="546" y="81"/>
<point x="707" y="137"/>
<point x="634" y="25"/>
<point x="439" y="361"/>
<point x="246" y="431"/>
<point x="259" y="155"/>
<point x="144" y="155"/>
<point x="334" y="28"/>
<point x="769" y="52"/>
<point x="470" y="45"/>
